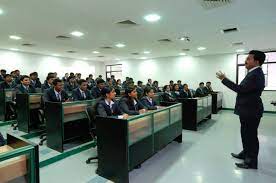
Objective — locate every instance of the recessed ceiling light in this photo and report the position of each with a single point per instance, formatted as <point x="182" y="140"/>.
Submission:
<point x="201" y="48"/>
<point x="15" y="37"/>
<point x="152" y="17"/>
<point x="117" y="59"/>
<point x="147" y="52"/>
<point x="14" y="49"/>
<point x="182" y="39"/>
<point x="240" y="50"/>
<point x="55" y="55"/>
<point x="77" y="33"/>
<point x="85" y="58"/>
<point x="96" y="52"/>
<point x="143" y="58"/>
<point x="120" y="45"/>
<point x="1" y="12"/>
<point x="182" y="54"/>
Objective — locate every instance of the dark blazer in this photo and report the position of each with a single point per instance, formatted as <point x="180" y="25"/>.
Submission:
<point x="208" y="90"/>
<point x="200" y="92"/>
<point x="186" y="94"/>
<point x="127" y="106"/>
<point x="96" y="92"/>
<point x="69" y="87"/>
<point x="45" y="87"/>
<point x="50" y="96"/>
<point x="21" y="89"/>
<point x="146" y="103"/>
<point x="76" y="95"/>
<point x="5" y="85"/>
<point x="248" y="102"/>
<point x="176" y="95"/>
<point x="168" y="98"/>
<point x="2" y="140"/>
<point x="140" y="92"/>
<point x="36" y="84"/>
<point x="102" y="109"/>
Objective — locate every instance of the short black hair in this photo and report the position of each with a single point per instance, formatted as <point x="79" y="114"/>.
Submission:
<point x="34" y="74"/>
<point x="165" y="87"/>
<point x="258" y="55"/>
<point x="56" y="81"/>
<point x="6" y="75"/>
<point x="185" y="84"/>
<point x="147" y="90"/>
<point x="49" y="77"/>
<point x="81" y="81"/>
<point x="201" y="83"/>
<point x="174" y="85"/>
<point x="208" y="82"/>
<point x="99" y="81"/>
<point x="23" y="77"/>
<point x="171" y="81"/>
<point x="179" y="81"/>
<point x="139" y="82"/>
<point x="70" y="77"/>
<point x="3" y="70"/>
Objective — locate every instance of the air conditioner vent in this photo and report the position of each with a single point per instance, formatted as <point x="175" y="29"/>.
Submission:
<point x="211" y="4"/>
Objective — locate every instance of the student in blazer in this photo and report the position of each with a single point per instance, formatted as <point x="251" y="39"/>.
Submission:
<point x="200" y="90"/>
<point x="96" y="91"/>
<point x="167" y="95"/>
<point x="129" y="103"/>
<point x="82" y="93"/>
<point x="56" y="93"/>
<point x="25" y="86"/>
<point x="186" y="93"/>
<point x="176" y="92"/>
<point x="147" y="100"/>
<point x="107" y="106"/>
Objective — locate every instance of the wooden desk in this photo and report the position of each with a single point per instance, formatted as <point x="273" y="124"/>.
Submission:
<point x="123" y="144"/>
<point x="216" y="102"/>
<point x="6" y="96"/>
<point x="19" y="161"/>
<point x="28" y="106"/>
<point x="66" y="122"/>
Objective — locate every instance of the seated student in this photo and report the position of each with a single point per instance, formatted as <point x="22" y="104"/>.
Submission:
<point x="176" y="92"/>
<point x="118" y="87"/>
<point x="35" y="82"/>
<point x="149" y="83"/>
<point x="96" y="91"/>
<point x="49" y="74"/>
<point x="3" y="72"/>
<point x="200" y="90"/>
<point x="155" y="86"/>
<point x="129" y="104"/>
<point x="171" y="85"/>
<point x="71" y="84"/>
<point x="81" y="93"/>
<point x="208" y="88"/>
<point x="107" y="106"/>
<point x="186" y="93"/>
<point x="25" y="86"/>
<point x="8" y="83"/>
<point x="56" y="93"/>
<point x="147" y="100"/>
<point x="179" y="82"/>
<point x="140" y="90"/>
<point x="2" y="140"/>
<point x="90" y="81"/>
<point x="49" y="83"/>
<point x="167" y="96"/>
<point x="65" y="77"/>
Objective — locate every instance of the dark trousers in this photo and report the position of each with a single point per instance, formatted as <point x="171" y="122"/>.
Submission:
<point x="249" y="136"/>
<point x="2" y="140"/>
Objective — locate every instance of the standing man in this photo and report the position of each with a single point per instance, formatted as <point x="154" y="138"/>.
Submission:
<point x="249" y="107"/>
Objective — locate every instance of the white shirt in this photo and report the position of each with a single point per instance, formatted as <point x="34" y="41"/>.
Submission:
<point x="109" y="104"/>
<point x="82" y="93"/>
<point x="150" y="100"/>
<point x="58" y="95"/>
<point x="250" y="70"/>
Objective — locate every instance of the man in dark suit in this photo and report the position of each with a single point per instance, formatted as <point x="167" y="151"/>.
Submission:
<point x="200" y="90"/>
<point x="82" y="93"/>
<point x="249" y="107"/>
<point x="49" y="83"/>
<point x="35" y="82"/>
<point x="140" y="90"/>
<point x="208" y="88"/>
<point x="186" y="93"/>
<point x="7" y="84"/>
<point x="56" y="93"/>
<point x="25" y="86"/>
<point x="96" y="91"/>
<point x="3" y="72"/>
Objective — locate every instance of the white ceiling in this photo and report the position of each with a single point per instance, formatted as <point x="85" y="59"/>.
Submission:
<point x="39" y="22"/>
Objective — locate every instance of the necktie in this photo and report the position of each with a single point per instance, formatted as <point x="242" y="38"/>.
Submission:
<point x="83" y="95"/>
<point x="59" y="97"/>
